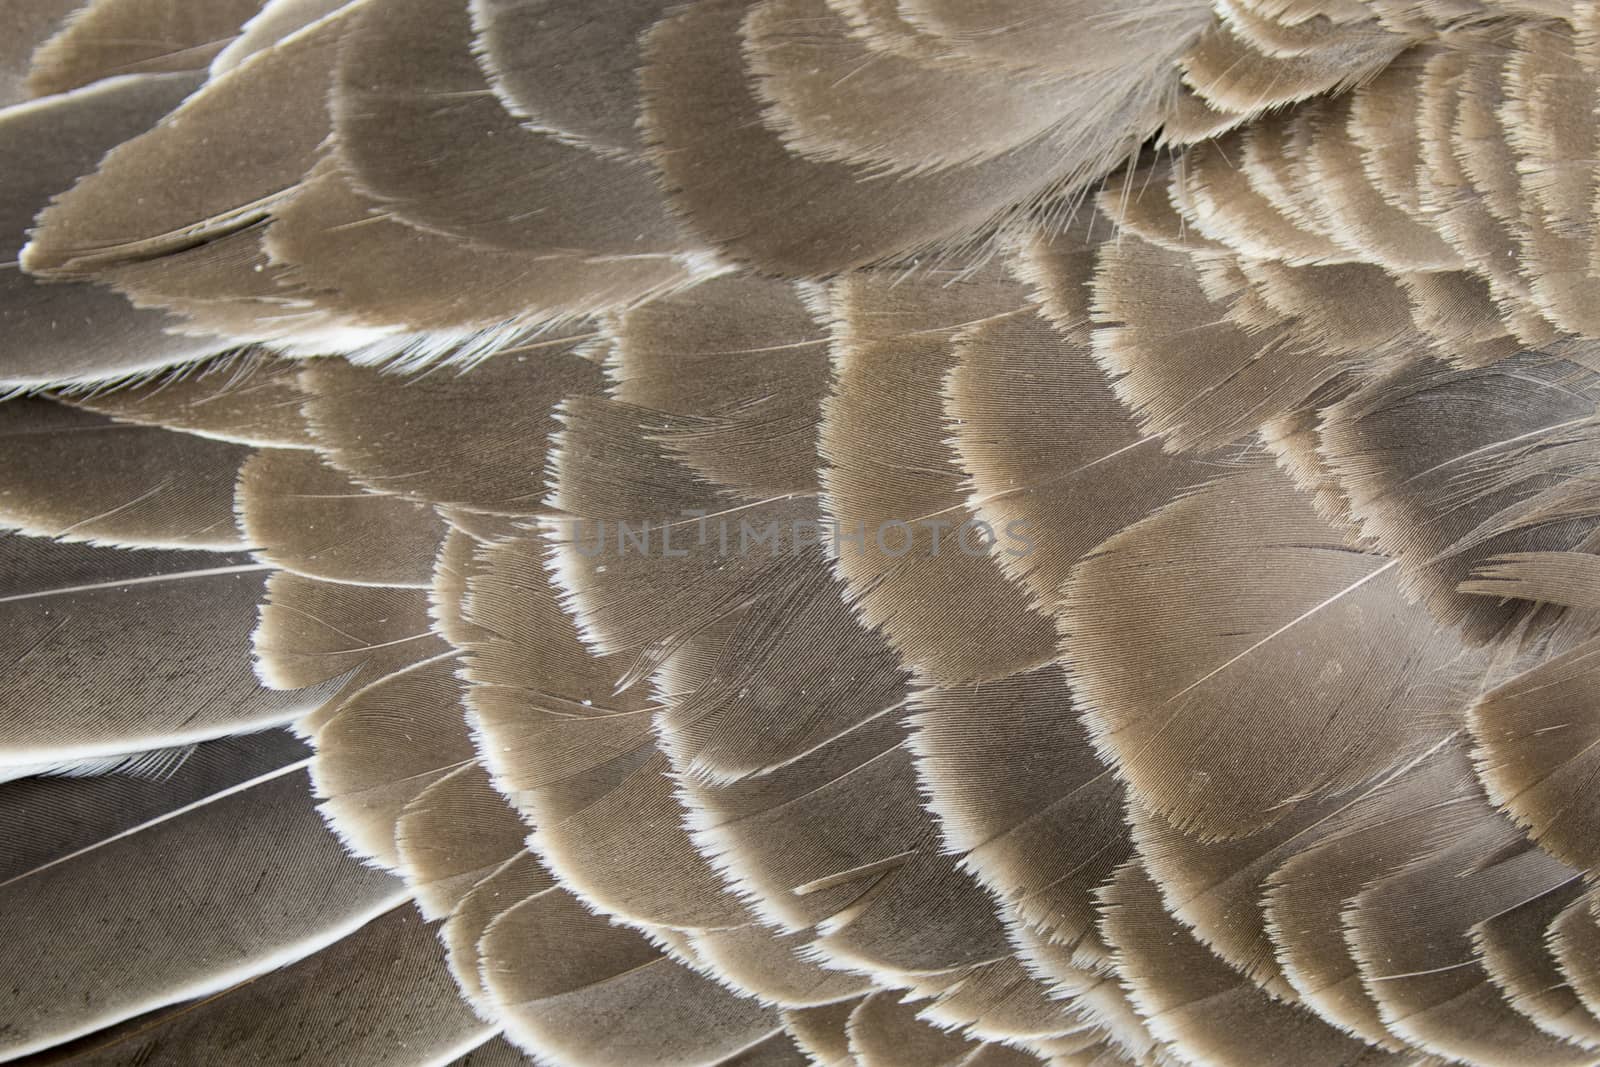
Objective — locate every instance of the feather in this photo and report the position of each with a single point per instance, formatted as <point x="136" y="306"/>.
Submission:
<point x="27" y="25"/>
<point x="1215" y="888"/>
<point x="455" y="568"/>
<point x="80" y="476"/>
<point x="384" y="745"/>
<point x="389" y="979"/>
<point x="566" y="68"/>
<point x="1574" y="940"/>
<point x="1001" y="1001"/>
<point x="1458" y="312"/>
<point x="306" y="895"/>
<point x="1188" y="371"/>
<point x="1354" y="210"/>
<point x="145" y="201"/>
<point x="1546" y="71"/>
<point x="467" y="168"/>
<point x="1276" y="161"/>
<point x="1557" y="196"/>
<point x="892" y="483"/>
<point x="885" y="1032"/>
<point x="1077" y="37"/>
<point x="636" y="520"/>
<point x="1214" y="194"/>
<point x="1044" y="837"/>
<point x="749" y="196"/>
<point x="831" y="97"/>
<point x="355" y="259"/>
<point x="549" y="716"/>
<point x="77" y="333"/>
<point x="248" y="398"/>
<point x="1357" y="311"/>
<point x="1046" y="448"/>
<point x="1443" y="492"/>
<point x="1411" y="935"/>
<point x="83" y="627"/>
<point x="1231" y="73"/>
<point x="1536" y="750"/>
<point x="926" y="916"/>
<point x="312" y="633"/>
<point x="1194" y="1003"/>
<point x="304" y="516"/>
<point x="229" y="286"/>
<point x="759" y="703"/>
<point x="821" y="1031"/>
<point x="492" y="426"/>
<point x="45" y="820"/>
<point x="454" y="834"/>
<point x="801" y="826"/>
<point x="1379" y="833"/>
<point x="1449" y="193"/>
<point x="608" y="996"/>
<point x="496" y="1052"/>
<point x="1522" y="966"/>
<point x="743" y="367"/>
<point x="864" y="867"/>
<point x="1186" y="673"/>
<point x="517" y="879"/>
<point x="1193" y="119"/>
<point x="777" y="1050"/>
<point x="1481" y="146"/>
<point x="275" y="20"/>
<point x="775" y="967"/>
<point x="1134" y="200"/>
<point x="629" y="855"/>
<point x="1563" y="578"/>
<point x="556" y="732"/>
<point x="1386" y="123"/>
<point x="107" y="38"/>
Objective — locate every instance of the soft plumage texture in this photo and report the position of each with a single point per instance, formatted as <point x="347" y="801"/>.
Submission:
<point x="27" y="26"/>
<point x="249" y="398"/>
<point x="397" y="949"/>
<point x="87" y="623"/>
<point x="179" y="205"/>
<point x="1517" y="477"/>
<point x="539" y="393"/>
<point x="304" y="516"/>
<point x="78" y="332"/>
<point x="48" y="819"/>
<point x="307" y="895"/>
<point x="894" y="345"/>
<point x="361" y="417"/>
<point x="108" y="38"/>
<point x="1178" y="726"/>
<point x="78" y="476"/>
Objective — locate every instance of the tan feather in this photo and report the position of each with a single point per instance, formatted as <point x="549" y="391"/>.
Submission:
<point x="78" y="333"/>
<point x="249" y="398"/>
<point x="1191" y="1000"/>
<point x="107" y="38"/>
<point x="389" y="977"/>
<point x="357" y="415"/>
<point x="748" y="195"/>
<point x="1183" y="695"/>
<point x="79" y="476"/>
<point x="609" y="994"/>
<point x="292" y="889"/>
<point x="90" y="622"/>
<point x="452" y="835"/>
<point x="890" y="471"/>
<point x="304" y="516"/>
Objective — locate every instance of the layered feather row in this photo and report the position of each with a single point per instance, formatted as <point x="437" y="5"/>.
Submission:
<point x="1031" y="617"/>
